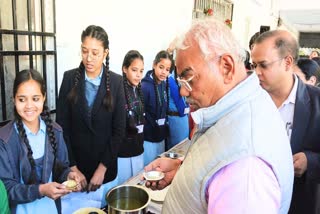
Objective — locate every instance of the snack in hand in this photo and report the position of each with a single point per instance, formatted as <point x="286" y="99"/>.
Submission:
<point x="70" y="184"/>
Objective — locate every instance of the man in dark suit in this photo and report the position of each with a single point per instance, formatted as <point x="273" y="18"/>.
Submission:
<point x="274" y="55"/>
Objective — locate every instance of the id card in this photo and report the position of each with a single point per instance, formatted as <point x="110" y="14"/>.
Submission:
<point x="186" y="110"/>
<point x="161" y="121"/>
<point x="140" y="128"/>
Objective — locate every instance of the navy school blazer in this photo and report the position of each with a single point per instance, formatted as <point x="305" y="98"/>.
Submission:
<point x="305" y="138"/>
<point x="92" y="137"/>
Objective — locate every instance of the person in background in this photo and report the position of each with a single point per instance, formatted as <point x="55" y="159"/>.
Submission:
<point x="308" y="72"/>
<point x="130" y="156"/>
<point x="314" y="54"/>
<point x="274" y="56"/>
<point x="252" y="39"/>
<point x="91" y="111"/>
<point x="178" y="113"/>
<point x="33" y="155"/>
<point x="240" y="159"/>
<point x="317" y="60"/>
<point x="155" y="88"/>
<point x="4" y="204"/>
<point x="247" y="63"/>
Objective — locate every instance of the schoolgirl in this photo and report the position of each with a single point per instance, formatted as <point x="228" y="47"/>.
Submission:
<point x="155" y="88"/>
<point x="178" y="114"/>
<point x="130" y="157"/>
<point x="91" y="111"/>
<point x="33" y="156"/>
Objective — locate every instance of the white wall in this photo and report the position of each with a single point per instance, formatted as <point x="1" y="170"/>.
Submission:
<point x="145" y="25"/>
<point x="249" y="15"/>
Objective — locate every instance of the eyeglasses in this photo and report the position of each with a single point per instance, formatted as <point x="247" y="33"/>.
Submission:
<point x="264" y="65"/>
<point x="185" y="83"/>
<point x="93" y="55"/>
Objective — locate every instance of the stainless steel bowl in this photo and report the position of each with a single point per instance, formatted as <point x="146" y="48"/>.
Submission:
<point x="127" y="199"/>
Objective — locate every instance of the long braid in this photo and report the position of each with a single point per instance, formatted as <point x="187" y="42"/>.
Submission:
<point x="57" y="168"/>
<point x="142" y="101"/>
<point x="73" y="95"/>
<point x="126" y="91"/>
<point x="167" y="92"/>
<point x="23" y="136"/>
<point x="108" y="99"/>
<point x="128" y="99"/>
<point x="156" y="91"/>
<point x="131" y="119"/>
<point x="175" y="77"/>
<point x="45" y="115"/>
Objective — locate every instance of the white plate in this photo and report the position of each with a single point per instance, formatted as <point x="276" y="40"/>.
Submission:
<point x="153" y="175"/>
<point x="88" y="210"/>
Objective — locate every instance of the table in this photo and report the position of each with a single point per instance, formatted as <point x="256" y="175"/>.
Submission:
<point x="181" y="149"/>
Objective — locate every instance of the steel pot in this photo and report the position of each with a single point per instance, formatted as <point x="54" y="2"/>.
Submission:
<point x="127" y="199"/>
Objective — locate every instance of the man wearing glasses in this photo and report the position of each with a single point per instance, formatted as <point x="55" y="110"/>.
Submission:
<point x="274" y="55"/>
<point x="240" y="159"/>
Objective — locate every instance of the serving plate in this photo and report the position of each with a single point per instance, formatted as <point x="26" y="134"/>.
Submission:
<point x="153" y="175"/>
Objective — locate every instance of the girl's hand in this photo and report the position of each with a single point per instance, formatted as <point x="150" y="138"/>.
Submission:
<point x="53" y="190"/>
<point x="76" y="177"/>
<point x="97" y="178"/>
<point x="82" y="179"/>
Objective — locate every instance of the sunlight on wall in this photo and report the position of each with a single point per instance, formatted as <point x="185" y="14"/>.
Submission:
<point x="144" y="25"/>
<point x="249" y="15"/>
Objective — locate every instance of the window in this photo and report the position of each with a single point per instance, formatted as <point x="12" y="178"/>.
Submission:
<point x="27" y="40"/>
<point x="220" y="9"/>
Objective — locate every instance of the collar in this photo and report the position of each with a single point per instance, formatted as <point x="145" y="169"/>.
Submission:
<point x="244" y="91"/>
<point x="96" y="81"/>
<point x="28" y="131"/>
<point x="292" y="96"/>
<point x="131" y="87"/>
<point x="151" y="76"/>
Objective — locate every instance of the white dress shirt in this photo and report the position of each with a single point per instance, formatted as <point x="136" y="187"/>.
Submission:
<point x="287" y="108"/>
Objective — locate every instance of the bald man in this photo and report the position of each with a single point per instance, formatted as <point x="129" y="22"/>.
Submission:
<point x="274" y="56"/>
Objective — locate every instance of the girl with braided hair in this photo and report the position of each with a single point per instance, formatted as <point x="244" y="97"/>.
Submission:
<point x="155" y="88"/>
<point x="33" y="155"/>
<point x="178" y="112"/>
<point x="130" y="157"/>
<point x="91" y="111"/>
